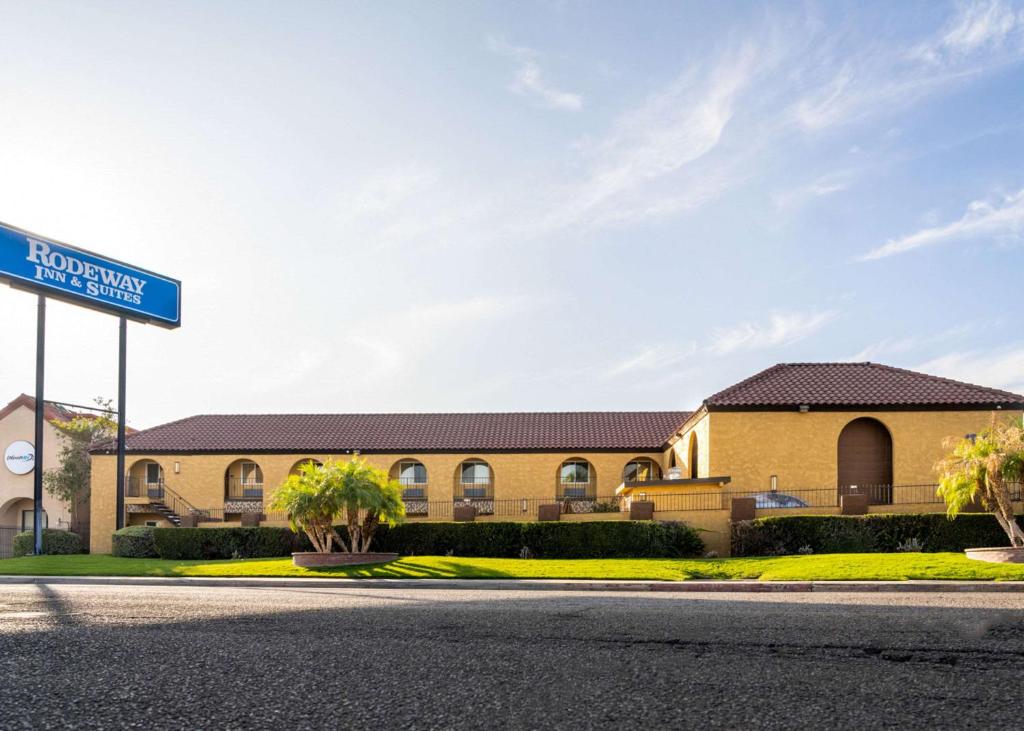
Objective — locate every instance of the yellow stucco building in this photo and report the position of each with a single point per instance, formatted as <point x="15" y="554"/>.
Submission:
<point x="795" y="437"/>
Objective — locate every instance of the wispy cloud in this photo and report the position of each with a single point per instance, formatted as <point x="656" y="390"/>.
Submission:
<point x="781" y="328"/>
<point x="898" y="346"/>
<point x="645" y="165"/>
<point x="414" y="332"/>
<point x="820" y="187"/>
<point x="410" y="206"/>
<point x="1001" y="220"/>
<point x="529" y="79"/>
<point x="1001" y="368"/>
<point x="652" y="358"/>
<point x="882" y="78"/>
<point x="976" y="26"/>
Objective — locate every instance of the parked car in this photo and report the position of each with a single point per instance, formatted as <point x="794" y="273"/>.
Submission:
<point x="778" y="500"/>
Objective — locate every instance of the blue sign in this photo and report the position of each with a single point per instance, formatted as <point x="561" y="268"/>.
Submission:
<point x="87" y="279"/>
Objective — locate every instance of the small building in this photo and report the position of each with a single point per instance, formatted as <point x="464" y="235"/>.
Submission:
<point x="17" y="434"/>
<point x="798" y="435"/>
<point x="853" y="426"/>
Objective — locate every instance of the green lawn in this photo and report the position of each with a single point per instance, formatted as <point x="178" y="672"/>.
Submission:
<point x="847" y="567"/>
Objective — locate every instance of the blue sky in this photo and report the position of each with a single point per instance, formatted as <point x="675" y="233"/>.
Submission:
<point x="517" y="206"/>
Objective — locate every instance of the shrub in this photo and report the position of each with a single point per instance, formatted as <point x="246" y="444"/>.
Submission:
<point x="55" y="542"/>
<point x="864" y="533"/>
<point x="134" y="541"/>
<point x="211" y="543"/>
<point x="592" y="539"/>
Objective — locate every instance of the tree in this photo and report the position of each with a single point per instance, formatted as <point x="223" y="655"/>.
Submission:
<point x="984" y="468"/>
<point x="320" y="495"/>
<point x="69" y="481"/>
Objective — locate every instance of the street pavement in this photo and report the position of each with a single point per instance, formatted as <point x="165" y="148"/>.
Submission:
<point x="296" y="658"/>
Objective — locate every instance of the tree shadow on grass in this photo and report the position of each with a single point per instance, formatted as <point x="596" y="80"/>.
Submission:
<point x="410" y="568"/>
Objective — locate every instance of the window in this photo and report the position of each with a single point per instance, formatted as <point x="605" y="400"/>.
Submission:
<point x="251" y="474"/>
<point x="475" y="479"/>
<point x="641" y="470"/>
<point x="413" y="476"/>
<point x="27" y="520"/>
<point x="574" y="479"/>
<point x="151" y="524"/>
<point x="412" y="473"/>
<point x="153" y="473"/>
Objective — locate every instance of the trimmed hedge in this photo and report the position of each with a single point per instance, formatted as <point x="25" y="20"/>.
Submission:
<point x="864" y="533"/>
<point x="209" y="543"/>
<point x="134" y="541"/>
<point x="592" y="539"/>
<point x="55" y="542"/>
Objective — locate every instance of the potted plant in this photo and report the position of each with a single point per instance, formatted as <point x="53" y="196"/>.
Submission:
<point x="985" y="469"/>
<point x="354" y="493"/>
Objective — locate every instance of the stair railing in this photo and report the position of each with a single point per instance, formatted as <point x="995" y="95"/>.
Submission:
<point x="178" y="504"/>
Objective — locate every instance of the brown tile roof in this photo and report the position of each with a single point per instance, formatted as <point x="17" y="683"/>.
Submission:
<point x="339" y="433"/>
<point x="854" y="385"/>
<point x="51" y="411"/>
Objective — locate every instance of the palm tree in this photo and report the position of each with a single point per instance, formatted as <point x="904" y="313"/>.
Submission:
<point x="320" y="495"/>
<point x="983" y="468"/>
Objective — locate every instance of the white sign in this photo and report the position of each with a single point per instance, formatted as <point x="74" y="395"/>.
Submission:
<point x="20" y="457"/>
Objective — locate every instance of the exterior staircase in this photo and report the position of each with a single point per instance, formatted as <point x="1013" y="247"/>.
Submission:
<point x="172" y="517"/>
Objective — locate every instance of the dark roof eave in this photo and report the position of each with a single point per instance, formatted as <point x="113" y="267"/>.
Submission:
<point x="720" y="480"/>
<point x="1001" y="406"/>
<point x="396" y="450"/>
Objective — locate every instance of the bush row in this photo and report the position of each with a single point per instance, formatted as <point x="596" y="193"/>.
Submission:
<point x="134" y="541"/>
<point x="595" y="539"/>
<point x="864" y="533"/>
<point x="592" y="539"/>
<point x="54" y="542"/>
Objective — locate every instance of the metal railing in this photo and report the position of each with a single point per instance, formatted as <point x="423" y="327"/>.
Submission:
<point x="139" y="487"/>
<point x="528" y="507"/>
<point x="237" y="489"/>
<point x="414" y="490"/>
<point x="476" y="490"/>
<point x="576" y="490"/>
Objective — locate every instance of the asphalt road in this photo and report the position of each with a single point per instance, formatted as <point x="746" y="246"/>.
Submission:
<point x="186" y="658"/>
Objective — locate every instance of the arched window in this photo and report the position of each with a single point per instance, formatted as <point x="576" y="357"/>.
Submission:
<point x="865" y="460"/>
<point x="413" y="476"/>
<point x="576" y="479"/>
<point x="694" y="456"/>
<point x="641" y="470"/>
<point x="145" y="479"/>
<point x="474" y="479"/>
<point x="243" y="480"/>
<point x="309" y="460"/>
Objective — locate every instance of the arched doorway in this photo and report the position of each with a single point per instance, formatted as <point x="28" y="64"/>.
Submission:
<point x="865" y="460"/>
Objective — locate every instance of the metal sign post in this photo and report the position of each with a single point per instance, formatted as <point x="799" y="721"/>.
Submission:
<point x="122" y="358"/>
<point x="52" y="269"/>
<point x="37" y="475"/>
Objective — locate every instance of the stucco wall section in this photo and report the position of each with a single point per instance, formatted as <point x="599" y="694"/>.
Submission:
<point x="702" y="429"/>
<point x="15" y="490"/>
<point x="802" y="449"/>
<point x="199" y="479"/>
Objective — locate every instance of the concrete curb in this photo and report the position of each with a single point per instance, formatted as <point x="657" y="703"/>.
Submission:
<point x="534" y="584"/>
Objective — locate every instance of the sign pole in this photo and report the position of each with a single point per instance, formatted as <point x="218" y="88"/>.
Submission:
<point x="122" y="359"/>
<point x="37" y="476"/>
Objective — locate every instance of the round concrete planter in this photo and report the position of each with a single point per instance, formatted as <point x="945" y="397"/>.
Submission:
<point x="1009" y="554"/>
<point x="312" y="559"/>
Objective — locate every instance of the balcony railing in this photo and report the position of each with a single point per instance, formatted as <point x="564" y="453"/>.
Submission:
<point x="576" y="490"/>
<point x="414" y="490"/>
<point x="476" y="490"/>
<point x="236" y="489"/>
<point x="139" y="487"/>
